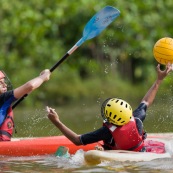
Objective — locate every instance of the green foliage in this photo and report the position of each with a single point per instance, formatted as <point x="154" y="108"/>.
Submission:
<point x="36" y="34"/>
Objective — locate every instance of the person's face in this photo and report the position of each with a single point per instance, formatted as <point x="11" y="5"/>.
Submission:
<point x="3" y="86"/>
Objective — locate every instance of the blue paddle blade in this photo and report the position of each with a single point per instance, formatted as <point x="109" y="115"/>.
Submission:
<point x="98" y="23"/>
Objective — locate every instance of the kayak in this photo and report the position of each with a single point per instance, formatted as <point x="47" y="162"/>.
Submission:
<point x="49" y="145"/>
<point x="94" y="157"/>
<point x="39" y="146"/>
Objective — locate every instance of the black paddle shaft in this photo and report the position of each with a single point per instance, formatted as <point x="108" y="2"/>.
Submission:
<point x="59" y="62"/>
<point x="51" y="70"/>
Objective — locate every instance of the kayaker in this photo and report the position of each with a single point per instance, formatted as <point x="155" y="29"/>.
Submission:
<point x="122" y="129"/>
<point x="7" y="97"/>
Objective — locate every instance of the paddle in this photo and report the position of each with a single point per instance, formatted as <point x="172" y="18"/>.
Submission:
<point x="62" y="151"/>
<point x="93" y="28"/>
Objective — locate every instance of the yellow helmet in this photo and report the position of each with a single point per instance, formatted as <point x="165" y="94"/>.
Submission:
<point x="116" y="111"/>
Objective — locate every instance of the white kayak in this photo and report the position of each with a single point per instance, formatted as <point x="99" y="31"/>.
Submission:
<point x="96" y="156"/>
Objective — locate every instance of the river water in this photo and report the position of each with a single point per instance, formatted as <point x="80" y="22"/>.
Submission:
<point x="34" y="123"/>
<point x="76" y="163"/>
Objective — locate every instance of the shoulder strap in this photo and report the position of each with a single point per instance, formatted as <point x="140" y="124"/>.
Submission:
<point x="2" y="132"/>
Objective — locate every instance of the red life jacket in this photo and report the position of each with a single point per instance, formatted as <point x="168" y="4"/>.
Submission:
<point x="6" y="129"/>
<point x="126" y="137"/>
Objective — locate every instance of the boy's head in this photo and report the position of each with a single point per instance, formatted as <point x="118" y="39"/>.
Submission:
<point x="116" y="111"/>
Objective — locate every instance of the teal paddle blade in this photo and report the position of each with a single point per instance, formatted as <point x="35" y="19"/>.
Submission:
<point x="62" y="151"/>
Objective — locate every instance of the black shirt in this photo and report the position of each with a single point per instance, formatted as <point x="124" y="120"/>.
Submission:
<point x="104" y="134"/>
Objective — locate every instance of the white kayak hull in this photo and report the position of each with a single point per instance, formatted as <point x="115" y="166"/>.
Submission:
<point x="96" y="156"/>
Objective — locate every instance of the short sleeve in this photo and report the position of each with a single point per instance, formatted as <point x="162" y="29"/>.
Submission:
<point x="100" y="134"/>
<point x="140" y="112"/>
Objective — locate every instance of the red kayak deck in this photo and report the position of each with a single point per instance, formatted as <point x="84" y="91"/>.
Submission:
<point x="39" y="146"/>
<point x="49" y="145"/>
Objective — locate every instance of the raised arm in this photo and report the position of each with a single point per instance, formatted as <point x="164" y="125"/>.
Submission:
<point x="54" y="118"/>
<point x="150" y="95"/>
<point x="32" y="84"/>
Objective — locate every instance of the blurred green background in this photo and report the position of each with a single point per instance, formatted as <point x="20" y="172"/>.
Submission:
<point x="119" y="62"/>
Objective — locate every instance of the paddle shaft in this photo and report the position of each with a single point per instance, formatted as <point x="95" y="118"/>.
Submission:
<point x="51" y="70"/>
<point x="59" y="62"/>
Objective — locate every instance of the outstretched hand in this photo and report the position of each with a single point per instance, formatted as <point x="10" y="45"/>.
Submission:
<point x="162" y="74"/>
<point x="52" y="115"/>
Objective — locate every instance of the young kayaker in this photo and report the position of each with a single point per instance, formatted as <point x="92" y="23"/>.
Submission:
<point x="8" y="97"/>
<point x="122" y="129"/>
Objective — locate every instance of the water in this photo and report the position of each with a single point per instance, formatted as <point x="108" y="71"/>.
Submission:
<point x="82" y="118"/>
<point x="76" y="163"/>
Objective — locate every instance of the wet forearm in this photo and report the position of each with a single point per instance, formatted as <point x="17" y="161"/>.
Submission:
<point x="72" y="136"/>
<point x="151" y="94"/>
<point x="34" y="83"/>
<point x="28" y="87"/>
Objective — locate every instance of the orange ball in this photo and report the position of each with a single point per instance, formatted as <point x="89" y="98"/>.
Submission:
<point x="163" y="50"/>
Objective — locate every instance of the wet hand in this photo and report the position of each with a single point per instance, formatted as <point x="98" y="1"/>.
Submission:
<point x="162" y="74"/>
<point x="45" y="74"/>
<point x="52" y="115"/>
<point x="98" y="147"/>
